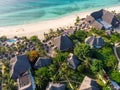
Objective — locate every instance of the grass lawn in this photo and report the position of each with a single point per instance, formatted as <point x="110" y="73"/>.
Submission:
<point x="118" y="51"/>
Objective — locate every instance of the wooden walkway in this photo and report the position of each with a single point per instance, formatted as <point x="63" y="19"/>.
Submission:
<point x="115" y="52"/>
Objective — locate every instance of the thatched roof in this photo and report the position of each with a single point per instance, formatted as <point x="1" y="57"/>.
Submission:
<point x="42" y="62"/>
<point x="97" y="25"/>
<point x="71" y="30"/>
<point x="94" y="41"/>
<point x="73" y="61"/>
<point x="88" y="84"/>
<point x="105" y="16"/>
<point x="55" y="86"/>
<point x="97" y="14"/>
<point x="90" y="19"/>
<point x="63" y="42"/>
<point x="109" y="18"/>
<point x="18" y="65"/>
<point x="25" y="82"/>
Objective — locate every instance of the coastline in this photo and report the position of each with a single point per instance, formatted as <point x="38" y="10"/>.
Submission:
<point x="39" y="28"/>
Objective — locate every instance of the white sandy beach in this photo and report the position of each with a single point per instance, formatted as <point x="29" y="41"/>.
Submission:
<point x="39" y="28"/>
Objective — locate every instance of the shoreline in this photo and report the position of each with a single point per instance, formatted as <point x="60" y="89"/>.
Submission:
<point x="38" y="28"/>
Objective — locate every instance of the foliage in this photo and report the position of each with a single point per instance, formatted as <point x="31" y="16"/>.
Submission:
<point x="118" y="16"/>
<point x="107" y="56"/>
<point x="25" y="38"/>
<point x="80" y="68"/>
<point x="115" y="37"/>
<point x="34" y="39"/>
<point x="77" y="20"/>
<point x="46" y="36"/>
<point x="79" y="35"/>
<point x="33" y="55"/>
<point x="100" y="83"/>
<point x="2" y="49"/>
<point x="96" y="65"/>
<point x="3" y="38"/>
<point x="51" y="34"/>
<point x="60" y="57"/>
<point x="8" y="83"/>
<point x="97" y="32"/>
<point x="41" y="72"/>
<point x="82" y="51"/>
<point x="106" y="88"/>
<point x="115" y="75"/>
<point x="41" y="78"/>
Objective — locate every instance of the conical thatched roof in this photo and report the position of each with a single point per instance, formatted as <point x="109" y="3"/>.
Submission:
<point x="25" y="81"/>
<point x="18" y="65"/>
<point x="63" y="42"/>
<point x="94" y="41"/>
<point x="88" y="84"/>
<point x="107" y="17"/>
<point x="73" y="61"/>
<point x="42" y="62"/>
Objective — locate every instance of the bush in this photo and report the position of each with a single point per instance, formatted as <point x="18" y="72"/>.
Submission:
<point x="115" y="75"/>
<point x="3" y="38"/>
<point x="33" y="56"/>
<point x="82" y="51"/>
<point x="34" y="39"/>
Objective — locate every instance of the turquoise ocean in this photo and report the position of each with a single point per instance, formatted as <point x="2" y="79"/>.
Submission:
<point x="16" y="12"/>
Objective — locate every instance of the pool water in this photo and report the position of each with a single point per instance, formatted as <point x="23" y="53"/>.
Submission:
<point x="11" y="40"/>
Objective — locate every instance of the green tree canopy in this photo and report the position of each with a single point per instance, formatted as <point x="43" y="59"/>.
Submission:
<point x="41" y="78"/>
<point x="34" y="38"/>
<point x="60" y="57"/>
<point x="81" y="35"/>
<point x="115" y="75"/>
<point x="82" y="51"/>
<point x="115" y="37"/>
<point x="77" y="20"/>
<point x="96" y="65"/>
<point x="33" y="56"/>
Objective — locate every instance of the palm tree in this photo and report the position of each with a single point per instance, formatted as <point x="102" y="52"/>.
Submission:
<point x="51" y="32"/>
<point x="46" y="36"/>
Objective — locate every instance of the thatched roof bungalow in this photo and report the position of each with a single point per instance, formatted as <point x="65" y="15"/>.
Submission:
<point x="63" y="42"/>
<point x="73" y="61"/>
<point x="94" y="42"/>
<point x="88" y="84"/>
<point x="26" y="81"/>
<point x="42" y="62"/>
<point x="19" y="65"/>
<point x="102" y="19"/>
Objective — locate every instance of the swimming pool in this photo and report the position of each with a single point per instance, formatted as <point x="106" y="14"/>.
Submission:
<point x="11" y="40"/>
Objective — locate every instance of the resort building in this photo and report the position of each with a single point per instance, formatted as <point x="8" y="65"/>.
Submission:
<point x="42" y="62"/>
<point x="18" y="65"/>
<point x="103" y="20"/>
<point x="26" y="81"/>
<point x="88" y="84"/>
<point x="62" y="42"/>
<point x="55" y="86"/>
<point x="115" y="86"/>
<point x="94" y="42"/>
<point x="20" y="71"/>
<point x="73" y="61"/>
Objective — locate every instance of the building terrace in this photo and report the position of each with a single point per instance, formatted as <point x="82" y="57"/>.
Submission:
<point x="20" y="71"/>
<point x="103" y="20"/>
